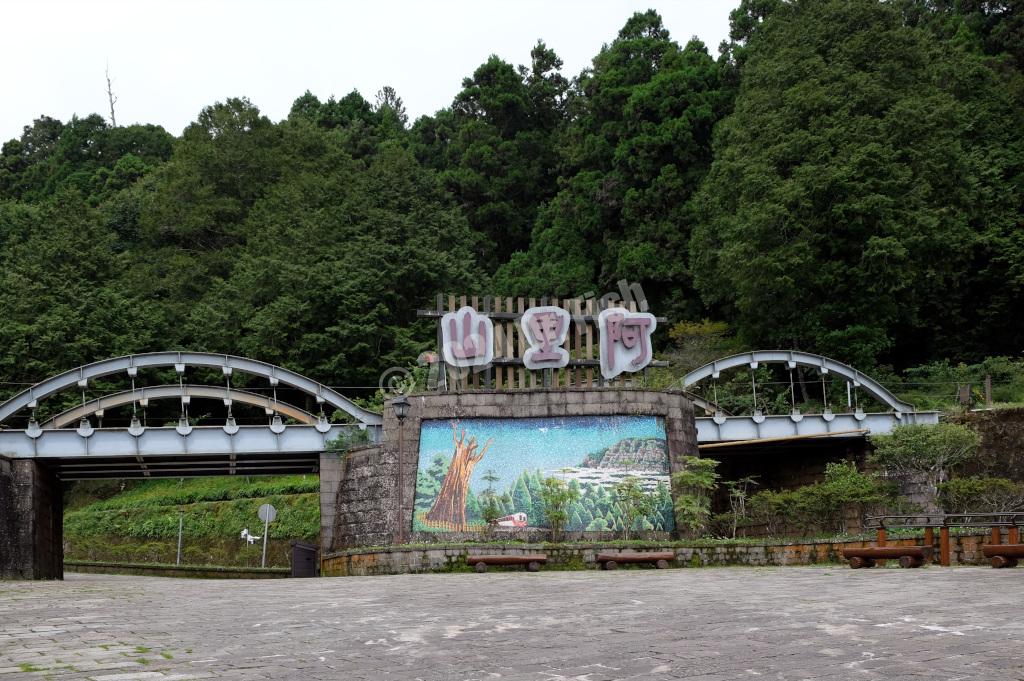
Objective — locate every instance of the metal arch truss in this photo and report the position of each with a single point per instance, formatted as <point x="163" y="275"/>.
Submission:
<point x="724" y="428"/>
<point x="793" y="359"/>
<point x="179" y="360"/>
<point x="163" y="392"/>
<point x="166" y="452"/>
<point x="708" y="406"/>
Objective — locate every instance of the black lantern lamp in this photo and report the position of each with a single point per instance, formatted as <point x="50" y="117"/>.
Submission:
<point x="401" y="406"/>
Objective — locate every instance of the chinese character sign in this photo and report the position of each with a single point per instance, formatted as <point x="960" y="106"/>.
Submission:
<point x="467" y="338"/>
<point x="545" y="329"/>
<point x="625" y="340"/>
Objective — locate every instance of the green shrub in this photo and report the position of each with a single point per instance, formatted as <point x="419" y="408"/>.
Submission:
<point x="822" y="507"/>
<point x="694" y="486"/>
<point x="928" y="452"/>
<point x="156" y="493"/>
<point x="981" y="495"/>
<point x="298" y="517"/>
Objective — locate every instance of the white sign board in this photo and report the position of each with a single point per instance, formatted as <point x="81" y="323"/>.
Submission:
<point x="267" y="513"/>
<point x="467" y="338"/>
<point x="625" y="340"/>
<point x="545" y="329"/>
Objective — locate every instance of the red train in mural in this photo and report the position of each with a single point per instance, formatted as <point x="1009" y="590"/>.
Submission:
<point x="513" y="520"/>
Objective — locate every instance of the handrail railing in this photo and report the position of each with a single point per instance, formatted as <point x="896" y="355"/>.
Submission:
<point x="990" y="519"/>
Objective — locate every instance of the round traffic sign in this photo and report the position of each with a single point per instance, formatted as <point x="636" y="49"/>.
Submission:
<point x="267" y="513"/>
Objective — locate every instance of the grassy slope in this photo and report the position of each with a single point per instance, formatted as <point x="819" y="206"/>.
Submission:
<point x="141" y="523"/>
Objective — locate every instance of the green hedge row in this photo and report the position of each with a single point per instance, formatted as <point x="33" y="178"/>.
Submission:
<point x="157" y="493"/>
<point x="298" y="516"/>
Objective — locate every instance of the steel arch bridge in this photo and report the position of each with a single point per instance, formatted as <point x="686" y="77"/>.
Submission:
<point x="721" y="427"/>
<point x="81" y="451"/>
<point x="86" y="452"/>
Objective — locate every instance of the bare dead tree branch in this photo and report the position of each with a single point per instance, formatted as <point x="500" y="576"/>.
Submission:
<point x="110" y="97"/>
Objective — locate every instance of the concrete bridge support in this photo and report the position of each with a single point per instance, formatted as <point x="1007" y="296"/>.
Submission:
<point x="31" y="521"/>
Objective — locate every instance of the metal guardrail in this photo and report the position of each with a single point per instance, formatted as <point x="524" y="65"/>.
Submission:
<point x="988" y="519"/>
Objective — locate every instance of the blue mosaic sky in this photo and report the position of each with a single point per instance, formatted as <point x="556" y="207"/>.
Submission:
<point x="545" y="443"/>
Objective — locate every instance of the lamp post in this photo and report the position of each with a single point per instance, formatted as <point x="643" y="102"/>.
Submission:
<point x="401" y="406"/>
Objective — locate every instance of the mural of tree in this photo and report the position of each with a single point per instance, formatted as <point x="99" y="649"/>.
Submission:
<point x="450" y="505"/>
<point x="428" y="483"/>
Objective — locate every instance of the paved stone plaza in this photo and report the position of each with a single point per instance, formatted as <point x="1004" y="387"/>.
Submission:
<point x="708" y="624"/>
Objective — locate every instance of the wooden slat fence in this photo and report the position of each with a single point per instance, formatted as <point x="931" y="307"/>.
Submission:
<point x="507" y="371"/>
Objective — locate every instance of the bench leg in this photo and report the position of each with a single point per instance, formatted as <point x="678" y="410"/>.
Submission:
<point x="533" y="566"/>
<point x="611" y="565"/>
<point x="481" y="567"/>
<point x="1002" y="562"/>
<point x="857" y="563"/>
<point x="944" y="552"/>
<point x="910" y="562"/>
<point x="661" y="564"/>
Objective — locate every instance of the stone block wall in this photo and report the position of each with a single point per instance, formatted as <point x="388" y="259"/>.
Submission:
<point x="358" y="497"/>
<point x="453" y="557"/>
<point x="367" y="496"/>
<point x="31" y="521"/>
<point x="8" y="521"/>
<point x="1001" y="450"/>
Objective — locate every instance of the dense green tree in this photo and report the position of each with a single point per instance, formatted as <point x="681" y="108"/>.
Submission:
<point x="636" y="150"/>
<point x="495" y="148"/>
<point x="62" y="298"/>
<point x="362" y="127"/>
<point x="865" y="186"/>
<point x="863" y="198"/>
<point x="336" y="261"/>
<point x="85" y="154"/>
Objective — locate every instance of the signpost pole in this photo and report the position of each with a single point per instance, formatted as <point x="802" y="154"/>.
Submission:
<point x="267" y="513"/>
<point x="181" y="524"/>
<point x="266" y="530"/>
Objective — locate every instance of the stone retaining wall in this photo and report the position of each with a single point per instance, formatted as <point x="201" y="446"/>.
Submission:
<point x="31" y="521"/>
<point x="1001" y="450"/>
<point x="359" y="496"/>
<point x="964" y="549"/>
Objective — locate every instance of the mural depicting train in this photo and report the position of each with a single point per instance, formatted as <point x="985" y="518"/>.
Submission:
<point x="513" y="520"/>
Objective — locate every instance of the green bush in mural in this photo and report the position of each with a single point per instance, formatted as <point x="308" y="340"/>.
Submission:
<point x="590" y="508"/>
<point x="556" y="498"/>
<point x="634" y="506"/>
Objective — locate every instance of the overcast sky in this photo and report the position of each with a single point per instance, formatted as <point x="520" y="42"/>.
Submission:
<point x="169" y="59"/>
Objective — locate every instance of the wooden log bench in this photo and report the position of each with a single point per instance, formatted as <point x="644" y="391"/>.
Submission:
<point x="1003" y="555"/>
<point x="611" y="561"/>
<point x="532" y="561"/>
<point x="908" y="556"/>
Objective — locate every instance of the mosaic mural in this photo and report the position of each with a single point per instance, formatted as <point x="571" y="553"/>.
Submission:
<point x="468" y="464"/>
